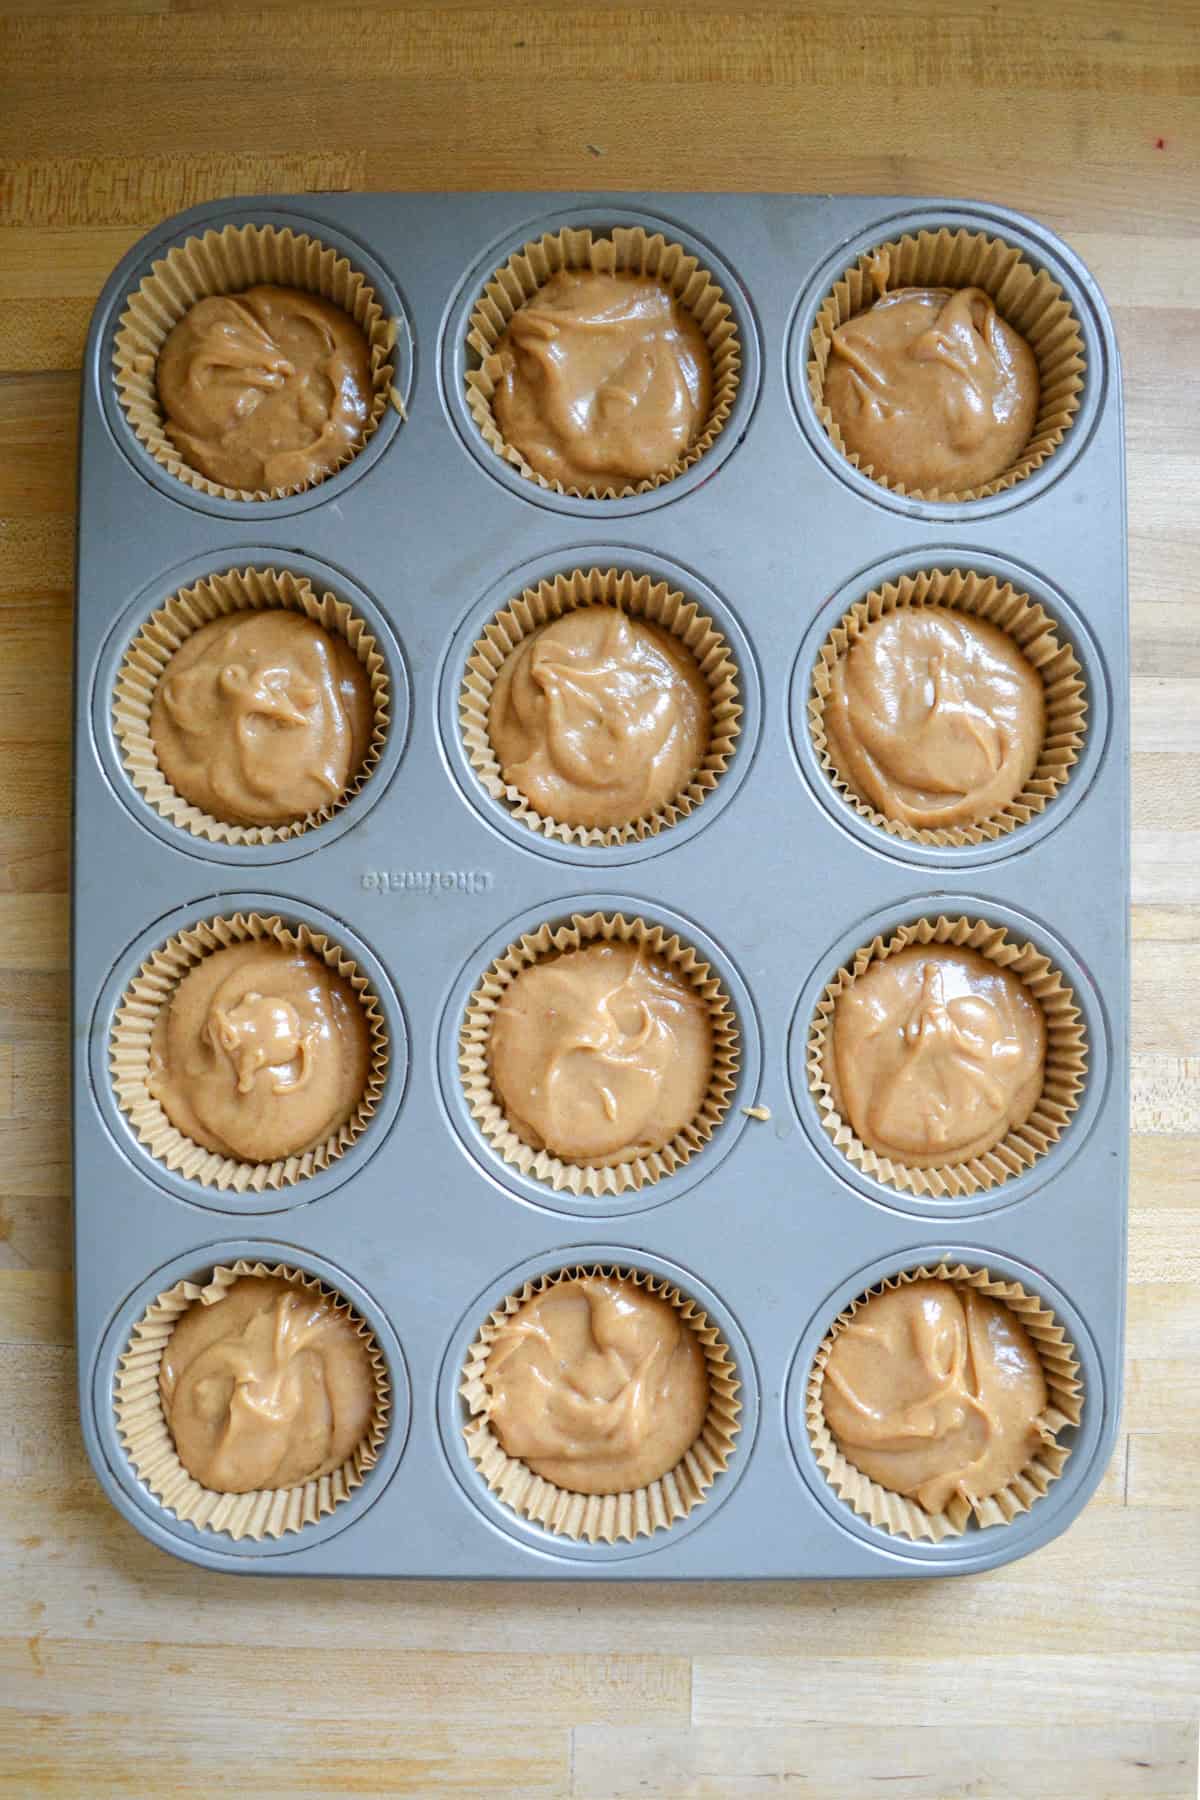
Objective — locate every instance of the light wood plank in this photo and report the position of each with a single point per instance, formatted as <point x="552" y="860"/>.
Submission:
<point x="1061" y="1761"/>
<point x="33" y="932"/>
<point x="35" y="1230"/>
<point x="108" y="190"/>
<point x="1163" y="1320"/>
<point x="113" y="1755"/>
<point x="1164" y="972"/>
<point x="399" y="120"/>
<point x="361" y="1687"/>
<point x="1162" y="1393"/>
<point x="740" y="1692"/>
<point x="1163" y="1468"/>
<point x="802" y="49"/>
<point x="35" y="1308"/>
<point x="1166" y="866"/>
<point x="1164" y="1246"/>
<point x="1165" y="715"/>
<point x="1164" y="1170"/>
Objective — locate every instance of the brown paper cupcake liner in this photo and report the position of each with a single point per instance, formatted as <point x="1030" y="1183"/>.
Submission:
<point x="904" y="1517"/>
<point x="631" y="249"/>
<point x="641" y="598"/>
<point x="146" y="660"/>
<point x="131" y="1041"/>
<point x="606" y="1518"/>
<point x="1063" y="1080"/>
<point x="588" y="1178"/>
<point x="1026" y="297"/>
<point x="228" y="262"/>
<point x="143" y="1429"/>
<point x="1036" y="636"/>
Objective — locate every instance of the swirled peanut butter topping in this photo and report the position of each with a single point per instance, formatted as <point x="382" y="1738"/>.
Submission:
<point x="934" y="717"/>
<point x="602" y="1054"/>
<point x="599" y="719"/>
<point x="934" y="1390"/>
<point x="261" y="1052"/>
<point x="605" y="379"/>
<point x="266" y="389"/>
<point x="931" y="388"/>
<point x="267" y="1387"/>
<point x="937" y="1054"/>
<point x="597" y="1386"/>
<point x="261" y="718"/>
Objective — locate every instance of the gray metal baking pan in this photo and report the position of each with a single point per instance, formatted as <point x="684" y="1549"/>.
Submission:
<point x="424" y="878"/>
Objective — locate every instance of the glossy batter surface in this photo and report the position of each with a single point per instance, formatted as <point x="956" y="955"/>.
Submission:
<point x="267" y="1387"/>
<point x="601" y="1054"/>
<point x="261" y="718"/>
<point x="599" y="719"/>
<point x="934" y="717"/>
<point x="932" y="389"/>
<point x="597" y="1386"/>
<point x="261" y="1052"/>
<point x="938" y="1053"/>
<point x="605" y="379"/>
<point x="266" y="389"/>
<point x="933" y="1390"/>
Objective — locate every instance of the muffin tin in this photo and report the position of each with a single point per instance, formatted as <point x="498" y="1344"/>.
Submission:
<point x="424" y="877"/>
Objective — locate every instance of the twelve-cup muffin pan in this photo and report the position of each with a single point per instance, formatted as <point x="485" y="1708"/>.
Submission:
<point x="427" y="875"/>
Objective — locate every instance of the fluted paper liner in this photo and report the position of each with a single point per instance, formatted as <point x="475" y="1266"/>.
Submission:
<point x="904" y="1517"/>
<point x="133" y="1029"/>
<point x="148" y="657"/>
<point x="1027" y="298"/>
<point x="1035" y="634"/>
<point x="628" y="249"/>
<point x="143" y="1429"/>
<point x="548" y="940"/>
<point x="1063" y="1075"/>
<point x="606" y="1518"/>
<point x="229" y="262"/>
<point x="640" y="597"/>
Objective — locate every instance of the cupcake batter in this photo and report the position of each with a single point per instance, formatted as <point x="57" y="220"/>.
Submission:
<point x="261" y="1052"/>
<point x="933" y="1391"/>
<point x="937" y="1054"/>
<point x="261" y="718"/>
<point x="265" y="390"/>
<point x="605" y="380"/>
<point x="600" y="1055"/>
<point x="268" y="1387"/>
<point x="599" y="719"/>
<point x="932" y="389"/>
<point x="597" y="1385"/>
<point x="934" y="717"/>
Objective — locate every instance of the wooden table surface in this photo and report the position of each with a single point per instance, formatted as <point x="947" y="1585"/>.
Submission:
<point x="1071" y="1674"/>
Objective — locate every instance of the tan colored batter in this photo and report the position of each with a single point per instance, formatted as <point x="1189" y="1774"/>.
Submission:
<point x="261" y="718"/>
<point x="934" y="1390"/>
<point x="267" y="1387"/>
<point x="937" y="1054"/>
<point x="931" y="388"/>
<point x="602" y="1054"/>
<point x="606" y="380"/>
<point x="261" y="1052"/>
<point x="597" y="1386"/>
<point x="599" y="719"/>
<point x="934" y="717"/>
<point x="266" y="389"/>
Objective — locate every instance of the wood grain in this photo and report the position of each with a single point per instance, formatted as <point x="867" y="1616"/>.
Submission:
<point x="1070" y="1676"/>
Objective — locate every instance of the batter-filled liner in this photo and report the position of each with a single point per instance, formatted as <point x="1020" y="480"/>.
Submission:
<point x="904" y="1517"/>
<point x="606" y="1518"/>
